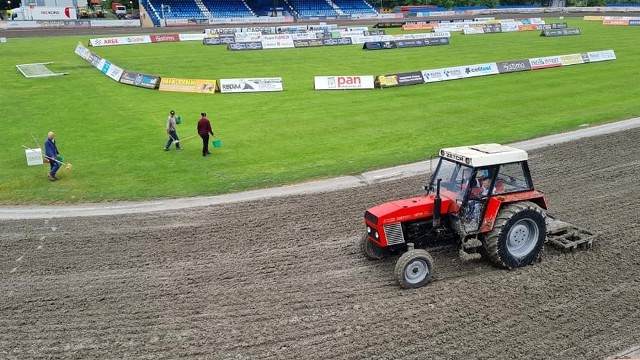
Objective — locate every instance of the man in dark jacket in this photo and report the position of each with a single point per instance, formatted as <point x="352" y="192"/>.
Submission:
<point x="204" y="129"/>
<point x="51" y="152"/>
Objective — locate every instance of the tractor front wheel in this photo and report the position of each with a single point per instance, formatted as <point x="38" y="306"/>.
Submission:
<point x="371" y="250"/>
<point x="518" y="235"/>
<point x="414" y="268"/>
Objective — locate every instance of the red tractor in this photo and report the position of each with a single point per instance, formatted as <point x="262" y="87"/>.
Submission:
<point x="482" y="199"/>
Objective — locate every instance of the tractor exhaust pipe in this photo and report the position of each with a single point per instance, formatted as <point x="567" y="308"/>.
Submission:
<point x="437" y="204"/>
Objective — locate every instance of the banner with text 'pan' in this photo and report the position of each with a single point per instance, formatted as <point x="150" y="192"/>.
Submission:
<point x="353" y="82"/>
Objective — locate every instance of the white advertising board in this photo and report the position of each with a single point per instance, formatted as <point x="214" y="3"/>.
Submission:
<point x="545" y="62"/>
<point x="34" y="157"/>
<point x="343" y="82"/>
<point x="250" y="85"/>
<point x="111" y="70"/>
<point x="603" y="55"/>
<point x="82" y="51"/>
<point x="191" y="37"/>
<point x="248" y="36"/>
<point x="480" y="70"/>
<point x="279" y="41"/>
<point x="122" y="40"/>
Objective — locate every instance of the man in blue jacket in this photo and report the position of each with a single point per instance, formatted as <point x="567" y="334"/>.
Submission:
<point x="51" y="153"/>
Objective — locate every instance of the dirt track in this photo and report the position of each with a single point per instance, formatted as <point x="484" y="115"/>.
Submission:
<point x="284" y="279"/>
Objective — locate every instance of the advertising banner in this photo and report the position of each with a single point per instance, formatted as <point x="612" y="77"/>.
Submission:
<point x="248" y="36"/>
<point x="291" y="29"/>
<point x="604" y="55"/>
<point x="453" y="73"/>
<point x="480" y="70"/>
<point x="409" y="43"/>
<point x="420" y="26"/>
<point x="217" y="31"/>
<point x="491" y="28"/>
<point x="191" y="37"/>
<point x="254" y="45"/>
<point x="260" y="29"/>
<point x="560" y="32"/>
<point x="113" y="23"/>
<point x="410" y="78"/>
<point x="111" y="70"/>
<point x="123" y="40"/>
<point x="389" y="24"/>
<point x="634" y="22"/>
<point x="94" y="60"/>
<point x="339" y="41"/>
<point x="472" y="31"/>
<point x="571" y="59"/>
<point x="188" y="85"/>
<point x="513" y="66"/>
<point x="622" y="22"/>
<point x="401" y="79"/>
<point x="250" y="85"/>
<point x="140" y="80"/>
<point x="82" y="51"/>
<point x="379" y="45"/>
<point x="385" y="81"/>
<point x="343" y="82"/>
<point x="436" y="41"/>
<point x="433" y="75"/>
<point x="165" y="38"/>
<point x="545" y="62"/>
<point x="280" y="41"/>
<point x="212" y="41"/>
<point x="528" y="27"/>
<point x="308" y="43"/>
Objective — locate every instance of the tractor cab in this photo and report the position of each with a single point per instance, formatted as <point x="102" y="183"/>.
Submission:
<point x="472" y="175"/>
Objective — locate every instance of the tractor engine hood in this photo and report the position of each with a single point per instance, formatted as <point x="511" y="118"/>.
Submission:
<point x="407" y="209"/>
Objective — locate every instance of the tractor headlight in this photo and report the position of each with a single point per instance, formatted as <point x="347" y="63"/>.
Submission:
<point x="368" y="229"/>
<point x="377" y="235"/>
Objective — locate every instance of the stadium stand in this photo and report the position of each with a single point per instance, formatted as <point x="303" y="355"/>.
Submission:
<point x="313" y="8"/>
<point x="228" y="8"/>
<point x="355" y="7"/>
<point x="207" y="9"/>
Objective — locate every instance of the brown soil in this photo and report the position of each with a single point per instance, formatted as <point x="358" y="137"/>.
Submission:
<point x="284" y="279"/>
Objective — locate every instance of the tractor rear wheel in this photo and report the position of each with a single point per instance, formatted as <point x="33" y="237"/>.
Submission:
<point x="414" y="268"/>
<point x="371" y="250"/>
<point x="518" y="235"/>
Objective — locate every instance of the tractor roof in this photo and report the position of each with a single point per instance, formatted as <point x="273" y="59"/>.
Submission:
<point x="484" y="154"/>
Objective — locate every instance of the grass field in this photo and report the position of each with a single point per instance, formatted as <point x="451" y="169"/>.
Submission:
<point x="113" y="134"/>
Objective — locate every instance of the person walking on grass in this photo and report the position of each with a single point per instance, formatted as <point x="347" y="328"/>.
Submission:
<point x="204" y="129"/>
<point x="51" y="154"/>
<point x="171" y="130"/>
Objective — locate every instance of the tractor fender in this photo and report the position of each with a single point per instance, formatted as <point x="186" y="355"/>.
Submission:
<point x="496" y="202"/>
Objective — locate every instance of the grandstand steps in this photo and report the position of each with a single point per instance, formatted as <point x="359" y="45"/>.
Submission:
<point x="292" y="9"/>
<point x="335" y="7"/>
<point x="248" y="8"/>
<point x="203" y="8"/>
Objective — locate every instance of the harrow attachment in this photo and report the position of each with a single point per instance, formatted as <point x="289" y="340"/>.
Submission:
<point x="565" y="236"/>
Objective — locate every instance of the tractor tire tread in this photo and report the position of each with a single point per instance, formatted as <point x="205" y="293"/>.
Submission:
<point x="491" y="239"/>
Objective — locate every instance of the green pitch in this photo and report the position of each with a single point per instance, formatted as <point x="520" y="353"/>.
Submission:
<point x="113" y="134"/>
